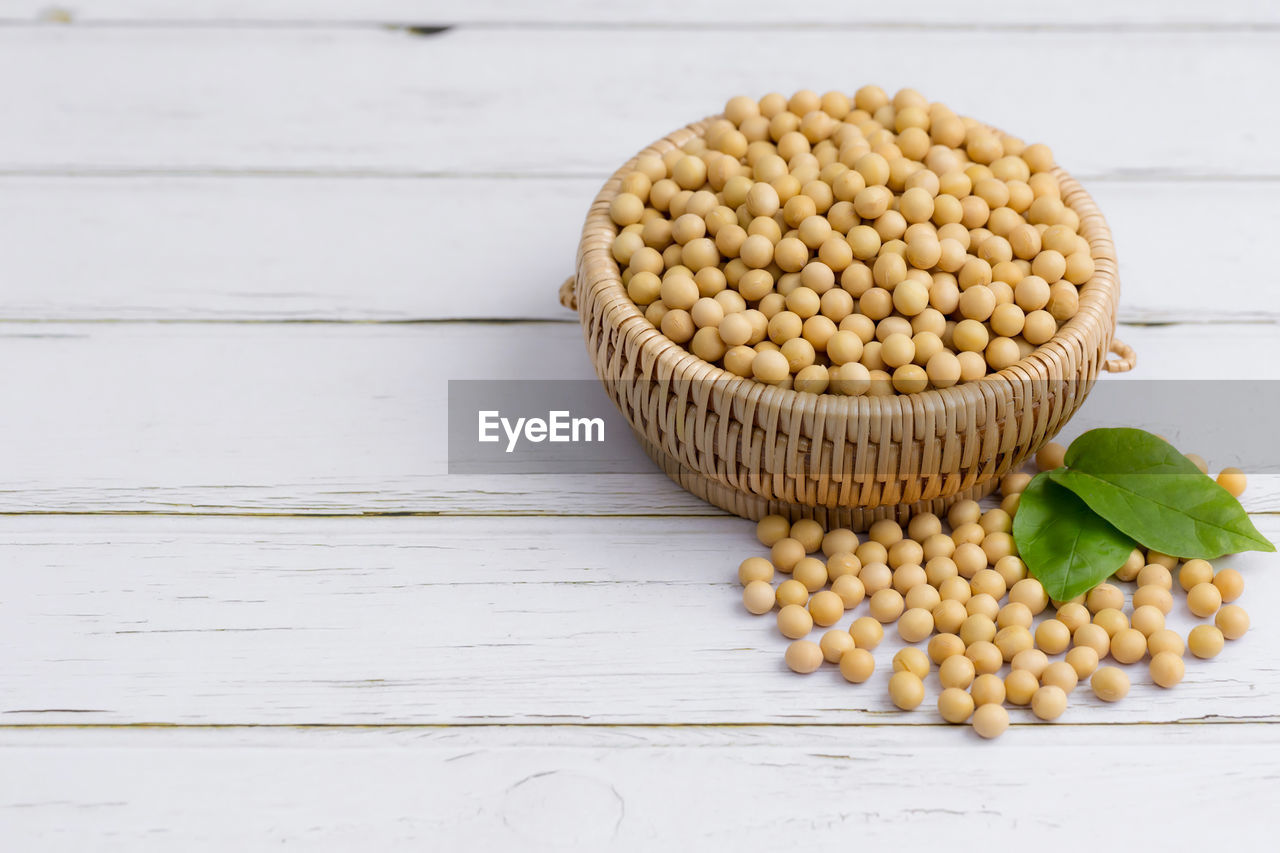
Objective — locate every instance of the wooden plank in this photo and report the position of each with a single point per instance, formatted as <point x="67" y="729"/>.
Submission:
<point x="663" y="13"/>
<point x="173" y="248"/>
<point x="350" y="418"/>
<point x="476" y="100"/>
<point x="300" y="249"/>
<point x="634" y="789"/>
<point x="466" y="621"/>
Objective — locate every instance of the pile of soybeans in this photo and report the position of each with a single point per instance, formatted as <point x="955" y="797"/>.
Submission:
<point x="962" y="601"/>
<point x="864" y="245"/>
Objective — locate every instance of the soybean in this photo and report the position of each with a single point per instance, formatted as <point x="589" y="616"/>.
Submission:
<point x="1110" y="684"/>
<point x="990" y="721"/>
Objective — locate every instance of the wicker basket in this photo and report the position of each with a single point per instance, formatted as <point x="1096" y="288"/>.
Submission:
<point x="754" y="449"/>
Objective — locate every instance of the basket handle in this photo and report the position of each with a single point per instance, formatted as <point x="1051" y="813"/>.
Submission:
<point x="568" y="298"/>
<point x="1125" y="359"/>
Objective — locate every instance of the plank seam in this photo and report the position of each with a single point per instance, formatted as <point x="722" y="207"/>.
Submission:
<point x="335" y="172"/>
<point x="152" y="726"/>
<point x="429" y="29"/>
<point x="1156" y="320"/>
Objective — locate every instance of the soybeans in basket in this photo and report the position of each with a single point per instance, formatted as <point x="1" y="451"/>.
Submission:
<point x="851" y="246"/>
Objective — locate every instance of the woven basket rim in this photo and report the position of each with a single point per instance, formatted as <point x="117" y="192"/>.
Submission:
<point x="599" y="275"/>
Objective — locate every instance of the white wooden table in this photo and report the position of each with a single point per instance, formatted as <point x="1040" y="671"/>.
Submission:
<point x="244" y="604"/>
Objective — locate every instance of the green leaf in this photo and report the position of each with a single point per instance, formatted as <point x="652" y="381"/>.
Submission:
<point x="1065" y="545"/>
<point x="1154" y="494"/>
